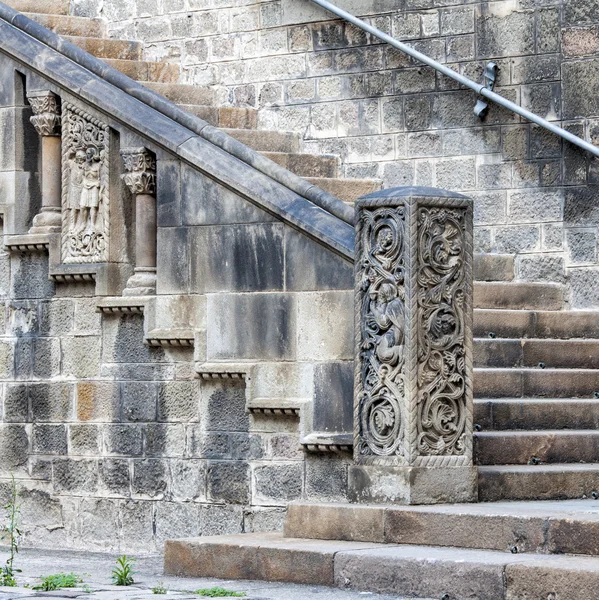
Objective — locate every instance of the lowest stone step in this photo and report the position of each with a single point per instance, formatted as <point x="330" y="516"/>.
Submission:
<point x="419" y="571"/>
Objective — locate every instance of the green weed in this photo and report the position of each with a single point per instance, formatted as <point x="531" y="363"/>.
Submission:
<point x="58" y="581"/>
<point x="159" y="589"/>
<point x="219" y="592"/>
<point x="122" y="574"/>
<point x="13" y="534"/>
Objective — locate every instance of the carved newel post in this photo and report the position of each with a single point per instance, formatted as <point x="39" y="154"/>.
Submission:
<point x="140" y="178"/>
<point x="413" y="380"/>
<point x="47" y="122"/>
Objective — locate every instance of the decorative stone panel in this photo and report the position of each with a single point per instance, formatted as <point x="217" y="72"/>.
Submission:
<point x="413" y="375"/>
<point x="85" y="187"/>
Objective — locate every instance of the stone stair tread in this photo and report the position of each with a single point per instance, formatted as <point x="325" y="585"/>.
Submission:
<point x="306" y="165"/>
<point x="67" y="25"/>
<point x="266" y="140"/>
<point x="224" y="117"/>
<point x="493" y="267"/>
<point x="182" y="93"/>
<point x="108" y="48"/>
<point x="531" y="526"/>
<point x="547" y="446"/>
<point x="528" y="382"/>
<point x="411" y="570"/>
<point x="348" y="190"/>
<point x="536" y="352"/>
<point x="145" y="71"/>
<point x="48" y="7"/>
<point x="537" y="482"/>
<point x="518" y="295"/>
<point x="540" y="324"/>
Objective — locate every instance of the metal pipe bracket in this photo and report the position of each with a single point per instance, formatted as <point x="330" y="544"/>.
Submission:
<point x="490" y="76"/>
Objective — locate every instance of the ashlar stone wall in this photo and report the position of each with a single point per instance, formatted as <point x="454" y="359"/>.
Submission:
<point x="182" y="417"/>
<point x="392" y="119"/>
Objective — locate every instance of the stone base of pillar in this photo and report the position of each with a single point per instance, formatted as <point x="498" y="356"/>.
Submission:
<point x="49" y="220"/>
<point x="412" y="485"/>
<point x="141" y="283"/>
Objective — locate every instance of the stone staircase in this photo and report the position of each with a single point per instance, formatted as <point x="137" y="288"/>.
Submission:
<point x="536" y="416"/>
<point x="284" y="148"/>
<point x="536" y="386"/>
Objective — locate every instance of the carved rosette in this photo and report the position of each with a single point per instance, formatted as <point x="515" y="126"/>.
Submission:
<point x="85" y="187"/>
<point x="46" y="113"/>
<point x="140" y="167"/>
<point x="413" y="385"/>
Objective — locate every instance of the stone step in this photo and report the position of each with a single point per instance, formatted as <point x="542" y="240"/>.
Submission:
<point x="537" y="482"/>
<point x="547" y="353"/>
<point x="224" y="117"/>
<point x="348" y="190"/>
<point x="493" y="267"/>
<point x="536" y="324"/>
<point x="306" y="165"/>
<point x="519" y="296"/>
<point x="500" y="414"/>
<point x="267" y="141"/>
<point x="181" y="93"/>
<point x="74" y="26"/>
<point x="536" y="447"/>
<point x="415" y="571"/>
<point x="535" y="383"/>
<point x="49" y="7"/>
<point x="539" y="527"/>
<point x="144" y="71"/>
<point x="106" y="48"/>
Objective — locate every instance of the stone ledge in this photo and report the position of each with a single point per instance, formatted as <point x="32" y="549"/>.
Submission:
<point x="30" y="242"/>
<point x="223" y="370"/>
<point x="276" y="406"/>
<point x="328" y="442"/>
<point x="169" y="338"/>
<point x="122" y="304"/>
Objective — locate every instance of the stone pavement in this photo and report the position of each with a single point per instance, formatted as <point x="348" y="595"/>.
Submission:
<point x="95" y="569"/>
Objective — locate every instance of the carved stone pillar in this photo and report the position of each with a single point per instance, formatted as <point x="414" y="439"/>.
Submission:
<point x="413" y="380"/>
<point x="140" y="178"/>
<point x="46" y="120"/>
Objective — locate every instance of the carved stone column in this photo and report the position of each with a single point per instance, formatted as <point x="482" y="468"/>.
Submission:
<point x="140" y="178"/>
<point x="413" y="380"/>
<point x="46" y="120"/>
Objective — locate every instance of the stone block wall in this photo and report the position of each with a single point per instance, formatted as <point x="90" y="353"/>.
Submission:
<point x="392" y="119"/>
<point x="118" y="441"/>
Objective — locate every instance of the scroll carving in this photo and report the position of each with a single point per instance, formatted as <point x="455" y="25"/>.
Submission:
<point x="381" y="301"/>
<point x="46" y="113"/>
<point x="413" y="378"/>
<point x="85" y="187"/>
<point x="441" y="354"/>
<point x="140" y="167"/>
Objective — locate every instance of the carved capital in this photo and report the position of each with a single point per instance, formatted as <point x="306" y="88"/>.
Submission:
<point x="140" y="167"/>
<point x="46" y="113"/>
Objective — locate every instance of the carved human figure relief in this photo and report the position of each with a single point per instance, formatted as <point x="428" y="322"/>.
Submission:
<point x="380" y="275"/>
<point x="85" y="187"/>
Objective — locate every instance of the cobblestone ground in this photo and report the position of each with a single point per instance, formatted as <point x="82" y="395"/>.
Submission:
<point x="95" y="569"/>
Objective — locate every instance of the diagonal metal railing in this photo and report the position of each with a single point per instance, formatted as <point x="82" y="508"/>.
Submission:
<point x="479" y="88"/>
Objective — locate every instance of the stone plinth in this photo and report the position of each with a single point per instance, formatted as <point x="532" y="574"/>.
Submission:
<point x="413" y="380"/>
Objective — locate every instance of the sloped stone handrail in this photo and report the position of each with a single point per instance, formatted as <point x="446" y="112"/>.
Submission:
<point x="218" y="161"/>
<point x="279" y="174"/>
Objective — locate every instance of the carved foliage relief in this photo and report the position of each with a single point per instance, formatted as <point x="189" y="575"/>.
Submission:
<point x="413" y="372"/>
<point x="381" y="333"/>
<point x="442" y="410"/>
<point x="46" y="113"/>
<point x="85" y="195"/>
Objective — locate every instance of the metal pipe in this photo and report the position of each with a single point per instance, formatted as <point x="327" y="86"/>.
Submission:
<point x="479" y="88"/>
